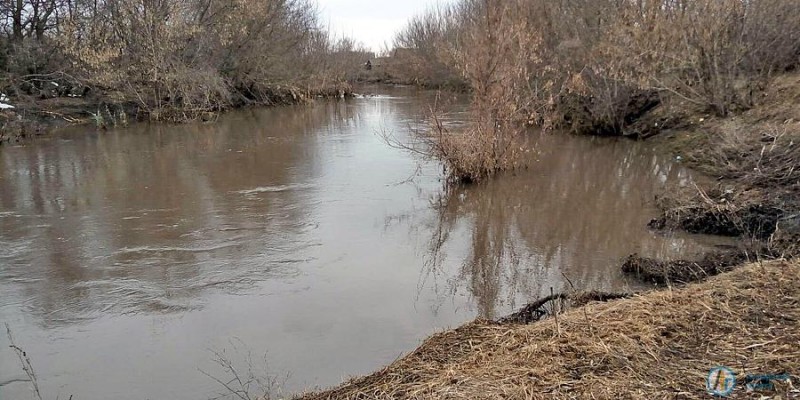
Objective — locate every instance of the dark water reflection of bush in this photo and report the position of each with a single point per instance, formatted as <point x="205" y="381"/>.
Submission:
<point x="581" y="206"/>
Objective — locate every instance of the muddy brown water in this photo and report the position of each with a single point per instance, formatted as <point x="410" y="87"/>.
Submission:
<point x="295" y="235"/>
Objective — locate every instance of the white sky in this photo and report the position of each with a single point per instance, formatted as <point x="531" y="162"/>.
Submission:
<point x="372" y="22"/>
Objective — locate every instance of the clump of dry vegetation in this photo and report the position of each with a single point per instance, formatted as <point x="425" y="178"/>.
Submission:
<point x="491" y="61"/>
<point x="480" y="42"/>
<point x="166" y="60"/>
<point x="656" y="345"/>
<point x="598" y="67"/>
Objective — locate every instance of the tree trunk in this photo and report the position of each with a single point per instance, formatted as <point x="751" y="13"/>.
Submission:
<point x="16" y="17"/>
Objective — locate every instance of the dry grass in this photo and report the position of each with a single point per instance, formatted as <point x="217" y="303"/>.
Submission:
<point x="658" y="345"/>
<point x="762" y="154"/>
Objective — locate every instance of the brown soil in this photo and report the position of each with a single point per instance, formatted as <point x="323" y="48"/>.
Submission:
<point x="580" y="113"/>
<point x="35" y="116"/>
<point x="653" y="346"/>
<point x="754" y="220"/>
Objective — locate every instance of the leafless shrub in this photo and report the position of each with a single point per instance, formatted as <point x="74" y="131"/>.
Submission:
<point x="492" y="58"/>
<point x="25" y="362"/>
<point x="714" y="54"/>
<point x="611" y="63"/>
<point x="177" y="59"/>
<point x="599" y="64"/>
<point x="246" y="380"/>
<point x="421" y="54"/>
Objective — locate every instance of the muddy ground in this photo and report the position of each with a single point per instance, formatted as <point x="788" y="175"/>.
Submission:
<point x="33" y="118"/>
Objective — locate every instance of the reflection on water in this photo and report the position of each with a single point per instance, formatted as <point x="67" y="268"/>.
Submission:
<point x="140" y="220"/>
<point x="126" y="255"/>
<point x="583" y="205"/>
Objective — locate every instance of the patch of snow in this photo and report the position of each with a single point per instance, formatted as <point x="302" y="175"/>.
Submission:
<point x="3" y="105"/>
<point x="54" y="84"/>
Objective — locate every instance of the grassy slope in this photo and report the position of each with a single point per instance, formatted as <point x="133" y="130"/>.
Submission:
<point x="657" y="345"/>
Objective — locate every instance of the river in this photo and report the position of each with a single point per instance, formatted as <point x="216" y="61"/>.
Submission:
<point x="295" y="238"/>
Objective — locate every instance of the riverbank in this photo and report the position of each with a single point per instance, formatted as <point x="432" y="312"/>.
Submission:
<point x="35" y="116"/>
<point x="177" y="62"/>
<point x="754" y="160"/>
<point x="661" y="344"/>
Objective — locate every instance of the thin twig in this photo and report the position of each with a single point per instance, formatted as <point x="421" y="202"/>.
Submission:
<point x="27" y="367"/>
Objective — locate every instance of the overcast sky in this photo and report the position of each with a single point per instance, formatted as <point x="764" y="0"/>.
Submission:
<point x="371" y="22"/>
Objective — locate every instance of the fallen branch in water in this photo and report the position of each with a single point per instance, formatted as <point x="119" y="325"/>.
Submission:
<point x="537" y="310"/>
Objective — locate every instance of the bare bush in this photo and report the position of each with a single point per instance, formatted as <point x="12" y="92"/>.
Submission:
<point x="592" y="66"/>
<point x="494" y="61"/>
<point x="714" y="54"/>
<point x="599" y="64"/>
<point x="490" y="54"/>
<point x="422" y="54"/>
<point x="25" y="363"/>
<point x="240" y="376"/>
<point x="176" y="59"/>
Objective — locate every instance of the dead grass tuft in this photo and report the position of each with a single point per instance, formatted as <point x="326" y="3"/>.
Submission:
<point x="658" y="345"/>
